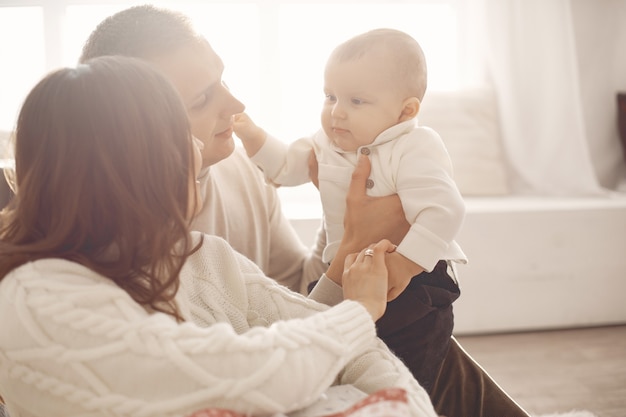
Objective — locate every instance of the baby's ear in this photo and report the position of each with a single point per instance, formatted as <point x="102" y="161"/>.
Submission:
<point x="410" y="108"/>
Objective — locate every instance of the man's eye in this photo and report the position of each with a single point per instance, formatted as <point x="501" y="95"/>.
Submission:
<point x="200" y="102"/>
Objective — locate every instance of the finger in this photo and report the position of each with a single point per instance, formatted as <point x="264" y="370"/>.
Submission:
<point x="349" y="260"/>
<point x="360" y="256"/>
<point x="391" y="248"/>
<point x="368" y="253"/>
<point x="373" y="257"/>
<point x="359" y="178"/>
<point x="385" y="246"/>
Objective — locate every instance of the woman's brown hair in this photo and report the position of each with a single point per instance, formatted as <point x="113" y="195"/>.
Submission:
<point x="103" y="167"/>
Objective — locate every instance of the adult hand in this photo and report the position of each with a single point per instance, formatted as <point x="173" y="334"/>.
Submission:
<point x="370" y="219"/>
<point x="365" y="277"/>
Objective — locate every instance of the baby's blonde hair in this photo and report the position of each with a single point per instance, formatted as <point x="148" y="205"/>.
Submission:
<point x="410" y="62"/>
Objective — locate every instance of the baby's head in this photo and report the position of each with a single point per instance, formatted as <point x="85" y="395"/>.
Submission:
<point x="406" y="64"/>
<point x="372" y="81"/>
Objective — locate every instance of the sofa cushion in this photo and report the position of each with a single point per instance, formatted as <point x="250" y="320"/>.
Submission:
<point x="469" y="126"/>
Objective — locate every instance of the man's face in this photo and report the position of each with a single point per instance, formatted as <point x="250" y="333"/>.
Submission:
<point x="196" y="72"/>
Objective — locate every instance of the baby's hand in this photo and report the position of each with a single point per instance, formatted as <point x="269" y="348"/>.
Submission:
<point x="251" y="135"/>
<point x="246" y="129"/>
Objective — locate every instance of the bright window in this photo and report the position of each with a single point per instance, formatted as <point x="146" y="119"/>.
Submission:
<point x="23" y="57"/>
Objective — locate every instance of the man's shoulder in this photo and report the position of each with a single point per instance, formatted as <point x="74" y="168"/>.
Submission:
<point x="237" y="163"/>
<point x="236" y="179"/>
<point x="237" y="168"/>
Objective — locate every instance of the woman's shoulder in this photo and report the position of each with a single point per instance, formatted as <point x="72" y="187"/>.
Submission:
<point x="56" y="281"/>
<point x="58" y="289"/>
<point x="210" y="243"/>
<point x="54" y="272"/>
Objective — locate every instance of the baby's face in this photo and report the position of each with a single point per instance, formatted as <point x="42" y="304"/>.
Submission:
<point x="362" y="101"/>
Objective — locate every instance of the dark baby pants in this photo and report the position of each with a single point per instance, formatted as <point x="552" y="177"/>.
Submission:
<point x="417" y="326"/>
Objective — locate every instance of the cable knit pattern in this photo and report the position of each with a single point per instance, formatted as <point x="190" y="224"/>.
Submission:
<point x="75" y="344"/>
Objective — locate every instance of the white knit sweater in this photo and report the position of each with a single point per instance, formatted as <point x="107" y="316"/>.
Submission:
<point x="74" y="344"/>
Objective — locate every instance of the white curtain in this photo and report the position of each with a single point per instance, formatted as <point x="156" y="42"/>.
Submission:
<point x="533" y="62"/>
<point x="601" y="44"/>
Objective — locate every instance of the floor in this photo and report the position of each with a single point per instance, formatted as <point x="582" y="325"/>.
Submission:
<point x="558" y="371"/>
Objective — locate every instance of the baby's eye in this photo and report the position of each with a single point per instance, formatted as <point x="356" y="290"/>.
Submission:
<point x="357" y="101"/>
<point x="330" y="97"/>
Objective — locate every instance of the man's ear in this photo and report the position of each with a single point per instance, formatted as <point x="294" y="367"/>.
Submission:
<point x="410" y="108"/>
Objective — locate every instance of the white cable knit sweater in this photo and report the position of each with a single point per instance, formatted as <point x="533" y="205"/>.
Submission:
<point x="74" y="344"/>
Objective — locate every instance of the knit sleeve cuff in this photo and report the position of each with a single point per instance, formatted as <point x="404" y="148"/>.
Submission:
<point x="326" y="291"/>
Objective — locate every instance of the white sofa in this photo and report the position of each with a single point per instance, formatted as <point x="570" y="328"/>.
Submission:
<point x="537" y="263"/>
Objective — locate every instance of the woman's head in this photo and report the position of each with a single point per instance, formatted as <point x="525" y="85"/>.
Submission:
<point x="104" y="160"/>
<point x="167" y="40"/>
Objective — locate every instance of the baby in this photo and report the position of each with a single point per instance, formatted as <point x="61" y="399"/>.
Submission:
<point x="374" y="84"/>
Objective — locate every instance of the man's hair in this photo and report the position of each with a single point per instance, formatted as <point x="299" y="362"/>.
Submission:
<point x="103" y="166"/>
<point x="405" y="52"/>
<point x="142" y="32"/>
